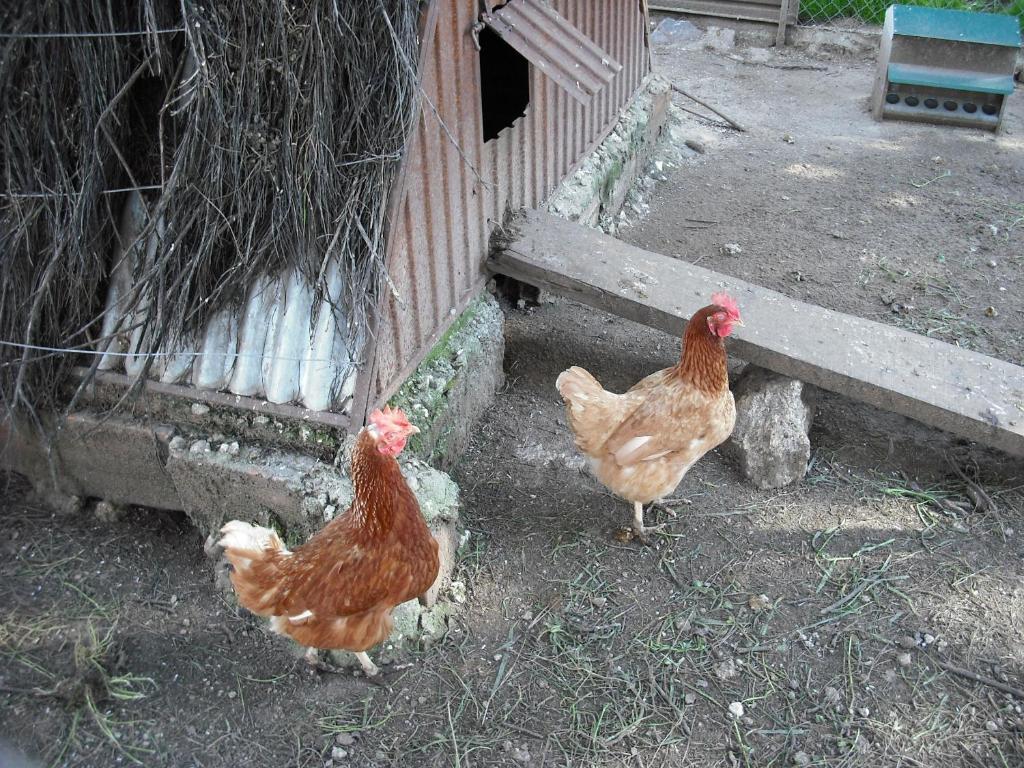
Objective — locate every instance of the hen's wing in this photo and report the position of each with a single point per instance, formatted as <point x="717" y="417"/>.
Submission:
<point x="594" y="412"/>
<point x="339" y="574"/>
<point x="672" y="417"/>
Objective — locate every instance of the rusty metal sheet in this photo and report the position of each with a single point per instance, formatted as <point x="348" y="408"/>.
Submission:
<point x="455" y="187"/>
<point x="548" y="41"/>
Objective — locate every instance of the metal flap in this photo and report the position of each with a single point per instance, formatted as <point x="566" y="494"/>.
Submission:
<point x="548" y="41"/>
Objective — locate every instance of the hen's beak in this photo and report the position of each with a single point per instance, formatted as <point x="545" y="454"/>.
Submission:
<point x="739" y="322"/>
<point x="413" y="429"/>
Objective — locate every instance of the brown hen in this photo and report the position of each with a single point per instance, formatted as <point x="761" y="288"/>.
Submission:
<point x="337" y="590"/>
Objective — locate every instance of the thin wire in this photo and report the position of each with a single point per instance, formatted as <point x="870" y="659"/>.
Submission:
<point x="72" y="194"/>
<point x="100" y="353"/>
<point x="48" y="35"/>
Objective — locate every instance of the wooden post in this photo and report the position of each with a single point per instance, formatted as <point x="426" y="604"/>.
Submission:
<point x="780" y="33"/>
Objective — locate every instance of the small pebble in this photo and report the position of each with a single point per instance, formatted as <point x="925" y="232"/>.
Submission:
<point x="801" y="758"/>
<point x="736" y="709"/>
<point x="696" y="146"/>
<point x="991" y="725"/>
<point x="731" y="249"/>
<point x="200" y="446"/>
<point x="200" y="409"/>
<point x="904" y="659"/>
<point x="759" y="602"/>
<point x="690" y="698"/>
<point x="864" y="711"/>
<point x="345" y="739"/>
<point x="788" y="138"/>
<point x="907" y="642"/>
<point x="339" y="753"/>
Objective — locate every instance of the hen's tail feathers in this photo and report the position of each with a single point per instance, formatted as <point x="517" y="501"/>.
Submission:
<point x="592" y="412"/>
<point x="257" y="556"/>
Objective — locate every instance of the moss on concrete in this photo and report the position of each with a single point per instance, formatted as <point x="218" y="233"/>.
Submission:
<point x="455" y="382"/>
<point x="595" y="193"/>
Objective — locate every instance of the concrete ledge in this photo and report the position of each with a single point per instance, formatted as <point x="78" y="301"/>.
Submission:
<point x="123" y="461"/>
<point x="594" y="194"/>
<point x="455" y="384"/>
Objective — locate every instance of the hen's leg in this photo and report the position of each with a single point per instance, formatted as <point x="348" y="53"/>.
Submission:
<point x="639" y="529"/>
<point x="369" y="668"/>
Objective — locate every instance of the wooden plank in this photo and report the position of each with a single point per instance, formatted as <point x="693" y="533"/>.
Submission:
<point x="749" y="10"/>
<point x="970" y="394"/>
<point x="780" y="33"/>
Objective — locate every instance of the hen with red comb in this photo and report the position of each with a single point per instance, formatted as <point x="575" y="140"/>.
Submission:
<point x="337" y="590"/>
<point x="640" y="444"/>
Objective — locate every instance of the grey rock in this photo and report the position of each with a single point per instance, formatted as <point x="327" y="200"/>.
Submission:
<point x="675" y="31"/>
<point x="720" y="39"/>
<point x="110" y="512"/>
<point x="773" y="418"/>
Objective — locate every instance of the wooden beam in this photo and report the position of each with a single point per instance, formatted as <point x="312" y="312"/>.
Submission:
<point x="780" y="33"/>
<point x="963" y="392"/>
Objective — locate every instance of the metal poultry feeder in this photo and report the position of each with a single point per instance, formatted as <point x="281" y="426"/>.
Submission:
<point x="945" y="67"/>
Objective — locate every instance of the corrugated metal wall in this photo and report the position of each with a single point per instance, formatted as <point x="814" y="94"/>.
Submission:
<point x="456" y="186"/>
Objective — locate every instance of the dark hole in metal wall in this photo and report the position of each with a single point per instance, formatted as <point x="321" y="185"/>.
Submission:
<point x="504" y="84"/>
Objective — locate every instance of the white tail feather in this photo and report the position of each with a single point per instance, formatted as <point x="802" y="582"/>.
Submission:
<point x="248" y="537"/>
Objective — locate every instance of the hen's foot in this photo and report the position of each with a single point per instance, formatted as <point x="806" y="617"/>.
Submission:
<point x="641" y="533"/>
<point x="317" y="664"/>
<point x="369" y="668"/>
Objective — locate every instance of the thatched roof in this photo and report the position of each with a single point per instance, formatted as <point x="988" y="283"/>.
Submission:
<point x="265" y="134"/>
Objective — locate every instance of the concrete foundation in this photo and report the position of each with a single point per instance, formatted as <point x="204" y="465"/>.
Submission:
<point x="595" y="193"/>
<point x="455" y="384"/>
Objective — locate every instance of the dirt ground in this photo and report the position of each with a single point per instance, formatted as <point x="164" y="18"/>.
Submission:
<point x="916" y="225"/>
<point x="855" y="619"/>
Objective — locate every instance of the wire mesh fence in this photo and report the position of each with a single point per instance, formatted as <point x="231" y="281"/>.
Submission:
<point x="873" y="11"/>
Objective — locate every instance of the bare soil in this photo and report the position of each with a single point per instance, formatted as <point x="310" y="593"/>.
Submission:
<point x="916" y="225"/>
<point x="834" y="611"/>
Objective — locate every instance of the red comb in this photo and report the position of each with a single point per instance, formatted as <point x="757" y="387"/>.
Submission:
<point x="389" y="418"/>
<point x="726" y="302"/>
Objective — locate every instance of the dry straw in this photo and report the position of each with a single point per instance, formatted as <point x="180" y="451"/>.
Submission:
<point x="265" y="135"/>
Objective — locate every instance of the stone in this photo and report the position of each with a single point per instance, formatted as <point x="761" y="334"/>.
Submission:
<point x="726" y="670"/>
<point x="720" y="39"/>
<point x="736" y="709"/>
<point x="773" y="418"/>
<point x="675" y="31"/>
<point x="110" y="512"/>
